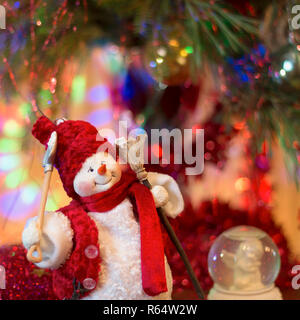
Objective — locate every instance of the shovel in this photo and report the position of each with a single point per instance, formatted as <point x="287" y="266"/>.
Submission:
<point x="34" y="254"/>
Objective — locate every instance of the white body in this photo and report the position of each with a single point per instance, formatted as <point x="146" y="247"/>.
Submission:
<point x="120" y="276"/>
<point x="119" y="238"/>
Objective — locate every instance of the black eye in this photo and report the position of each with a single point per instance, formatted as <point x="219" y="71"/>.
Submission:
<point x="91" y="170"/>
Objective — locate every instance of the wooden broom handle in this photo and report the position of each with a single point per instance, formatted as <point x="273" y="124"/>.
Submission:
<point x="40" y="222"/>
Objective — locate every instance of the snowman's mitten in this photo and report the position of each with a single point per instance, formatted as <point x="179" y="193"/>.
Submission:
<point x="160" y="196"/>
<point x="56" y="243"/>
<point x="175" y="203"/>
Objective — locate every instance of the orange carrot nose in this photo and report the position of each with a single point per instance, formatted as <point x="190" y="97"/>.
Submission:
<point x="102" y="169"/>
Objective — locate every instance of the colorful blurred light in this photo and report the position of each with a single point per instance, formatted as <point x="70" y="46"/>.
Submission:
<point x="9" y="145"/>
<point x="30" y="193"/>
<point x="239" y="125"/>
<point x="265" y="190"/>
<point x="262" y="162"/>
<point x="157" y="150"/>
<point x="162" y="51"/>
<point x="16" y="177"/>
<point x="282" y="72"/>
<point x="181" y="60"/>
<point x="189" y="49"/>
<point x="288" y="65"/>
<point x="13" y="129"/>
<point x="242" y="184"/>
<point x="78" y="89"/>
<point x="24" y="109"/>
<point x="17" y="5"/>
<point x="112" y="57"/>
<point x="173" y="43"/>
<point x="207" y="156"/>
<point x="137" y="132"/>
<point x="12" y="204"/>
<point x="140" y="119"/>
<point x="100" y="117"/>
<point x="183" y="53"/>
<point x="98" y="94"/>
<point x="210" y="145"/>
<point x="52" y="85"/>
<point x="152" y="64"/>
<point x="45" y="96"/>
<point x="9" y="162"/>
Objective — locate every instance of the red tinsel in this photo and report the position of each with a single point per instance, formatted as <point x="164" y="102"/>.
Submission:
<point x="24" y="281"/>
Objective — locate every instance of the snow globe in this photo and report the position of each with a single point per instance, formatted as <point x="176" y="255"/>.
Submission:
<point x="244" y="262"/>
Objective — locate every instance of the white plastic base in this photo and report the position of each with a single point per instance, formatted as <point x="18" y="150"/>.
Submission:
<point x="270" y="293"/>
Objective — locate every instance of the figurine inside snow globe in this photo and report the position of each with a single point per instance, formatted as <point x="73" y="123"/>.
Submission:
<point x="244" y="262"/>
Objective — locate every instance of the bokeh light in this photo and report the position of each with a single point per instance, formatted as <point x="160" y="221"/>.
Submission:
<point x="9" y="162"/>
<point x="98" y="94"/>
<point x="16" y="177"/>
<point x="242" y="184"/>
<point x="9" y="145"/>
<point x="78" y="89"/>
<point x="12" y="204"/>
<point x="13" y="129"/>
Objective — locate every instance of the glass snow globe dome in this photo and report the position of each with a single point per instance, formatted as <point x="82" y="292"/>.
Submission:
<point x="243" y="259"/>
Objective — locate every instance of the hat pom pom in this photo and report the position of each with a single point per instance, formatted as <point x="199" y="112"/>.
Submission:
<point x="42" y="129"/>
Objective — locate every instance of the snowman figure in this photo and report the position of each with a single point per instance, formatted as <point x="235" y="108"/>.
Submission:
<point x="246" y="263"/>
<point x="108" y="240"/>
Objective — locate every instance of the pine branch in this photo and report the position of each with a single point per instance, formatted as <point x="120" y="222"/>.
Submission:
<point x="269" y="109"/>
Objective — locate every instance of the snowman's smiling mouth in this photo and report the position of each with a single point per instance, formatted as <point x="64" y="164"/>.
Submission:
<point x="104" y="183"/>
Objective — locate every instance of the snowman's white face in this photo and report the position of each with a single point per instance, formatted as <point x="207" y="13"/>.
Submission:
<point x="97" y="174"/>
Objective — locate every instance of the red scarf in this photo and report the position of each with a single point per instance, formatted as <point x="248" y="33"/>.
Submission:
<point x="152" y="248"/>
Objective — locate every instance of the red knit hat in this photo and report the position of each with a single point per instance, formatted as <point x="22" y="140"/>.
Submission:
<point x="76" y="141"/>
